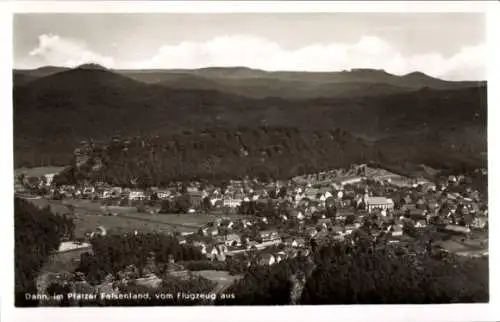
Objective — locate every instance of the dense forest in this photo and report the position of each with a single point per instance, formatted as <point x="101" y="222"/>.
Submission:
<point x="263" y="152"/>
<point x="113" y="253"/>
<point x="38" y="233"/>
<point x="367" y="274"/>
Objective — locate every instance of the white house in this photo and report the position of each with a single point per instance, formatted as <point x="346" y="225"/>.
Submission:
<point x="382" y="203"/>
<point x="49" y="177"/>
<point x="162" y="195"/>
<point x="267" y="259"/>
<point x="351" y="180"/>
<point x="136" y="195"/>
<point x="397" y="230"/>
<point x="231" y="202"/>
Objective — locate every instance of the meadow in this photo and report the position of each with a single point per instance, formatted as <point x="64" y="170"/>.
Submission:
<point x="88" y="215"/>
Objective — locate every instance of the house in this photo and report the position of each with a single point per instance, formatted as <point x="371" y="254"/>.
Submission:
<point x="229" y="201"/>
<point x="136" y="195"/>
<point x="372" y="203"/>
<point x="49" y="177"/>
<point x="70" y="245"/>
<point x="105" y="193"/>
<point x="162" y="194"/>
<point x="217" y="252"/>
<point x="396" y="230"/>
<point x="299" y="215"/>
<point x="457" y="229"/>
<point x="298" y="242"/>
<point x="267" y="259"/>
<point x="88" y="190"/>
<point x="349" y="229"/>
<point x="351" y="180"/>
<point x="312" y="193"/>
<point x="295" y="242"/>
<point x="268" y="235"/>
<point x="324" y="222"/>
<point x="428" y="186"/>
<point x="232" y="240"/>
<point x="421" y="223"/>
<point x="210" y="231"/>
<point x="480" y="222"/>
<point x="311" y="231"/>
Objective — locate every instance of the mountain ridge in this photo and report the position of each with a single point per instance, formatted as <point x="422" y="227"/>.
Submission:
<point x="54" y="112"/>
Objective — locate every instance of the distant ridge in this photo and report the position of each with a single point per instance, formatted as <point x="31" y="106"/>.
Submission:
<point x="256" y="83"/>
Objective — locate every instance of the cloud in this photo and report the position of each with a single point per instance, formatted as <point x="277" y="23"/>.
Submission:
<point x="59" y="51"/>
<point x="256" y="52"/>
<point x="368" y="52"/>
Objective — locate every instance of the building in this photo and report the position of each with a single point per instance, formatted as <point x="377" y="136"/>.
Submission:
<point x="136" y="195"/>
<point x="382" y="203"/>
<point x="163" y="194"/>
<point x="351" y="180"/>
<point x="71" y="245"/>
<point x="267" y="259"/>
<point x="231" y="202"/>
<point x="457" y="229"/>
<point x="49" y="177"/>
<point x="268" y="235"/>
<point x="232" y="240"/>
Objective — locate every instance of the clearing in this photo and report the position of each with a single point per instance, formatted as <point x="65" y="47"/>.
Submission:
<point x="88" y="215"/>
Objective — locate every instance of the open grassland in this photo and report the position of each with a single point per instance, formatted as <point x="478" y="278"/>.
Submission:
<point x="37" y="172"/>
<point x="88" y="215"/>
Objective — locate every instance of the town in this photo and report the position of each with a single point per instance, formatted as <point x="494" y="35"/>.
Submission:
<point x="257" y="223"/>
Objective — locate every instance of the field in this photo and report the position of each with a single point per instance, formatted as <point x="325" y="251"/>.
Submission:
<point x="221" y="277"/>
<point x="37" y="172"/>
<point x="89" y="215"/>
<point x="476" y="242"/>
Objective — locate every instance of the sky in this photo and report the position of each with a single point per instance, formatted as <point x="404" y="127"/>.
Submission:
<point x="445" y="45"/>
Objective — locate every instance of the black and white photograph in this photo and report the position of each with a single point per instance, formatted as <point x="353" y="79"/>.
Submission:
<point x="250" y="158"/>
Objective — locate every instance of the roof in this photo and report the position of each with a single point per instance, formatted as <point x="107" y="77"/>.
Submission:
<point x="265" y="232"/>
<point x="378" y="200"/>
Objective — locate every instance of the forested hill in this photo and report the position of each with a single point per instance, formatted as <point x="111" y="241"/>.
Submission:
<point x="54" y="113"/>
<point x="38" y="233"/>
<point x="369" y="273"/>
<point x="222" y="153"/>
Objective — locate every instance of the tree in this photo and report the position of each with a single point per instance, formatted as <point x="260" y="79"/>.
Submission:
<point x="349" y="220"/>
<point x="393" y="275"/>
<point x="206" y="205"/>
<point x="38" y="233"/>
<point x="182" y="204"/>
<point x="20" y="178"/>
<point x="166" y="207"/>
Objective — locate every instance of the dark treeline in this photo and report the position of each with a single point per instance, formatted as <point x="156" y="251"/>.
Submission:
<point x="263" y="152"/>
<point x="113" y="253"/>
<point x="346" y="274"/>
<point x="38" y="233"/>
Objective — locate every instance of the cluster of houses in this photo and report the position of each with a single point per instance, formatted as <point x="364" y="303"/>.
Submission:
<point x="389" y="202"/>
<point x="327" y="205"/>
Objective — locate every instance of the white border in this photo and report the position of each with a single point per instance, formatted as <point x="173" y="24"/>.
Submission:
<point x="456" y="313"/>
<point x="249" y="6"/>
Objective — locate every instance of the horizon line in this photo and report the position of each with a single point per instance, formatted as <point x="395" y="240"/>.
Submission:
<point x="248" y="68"/>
